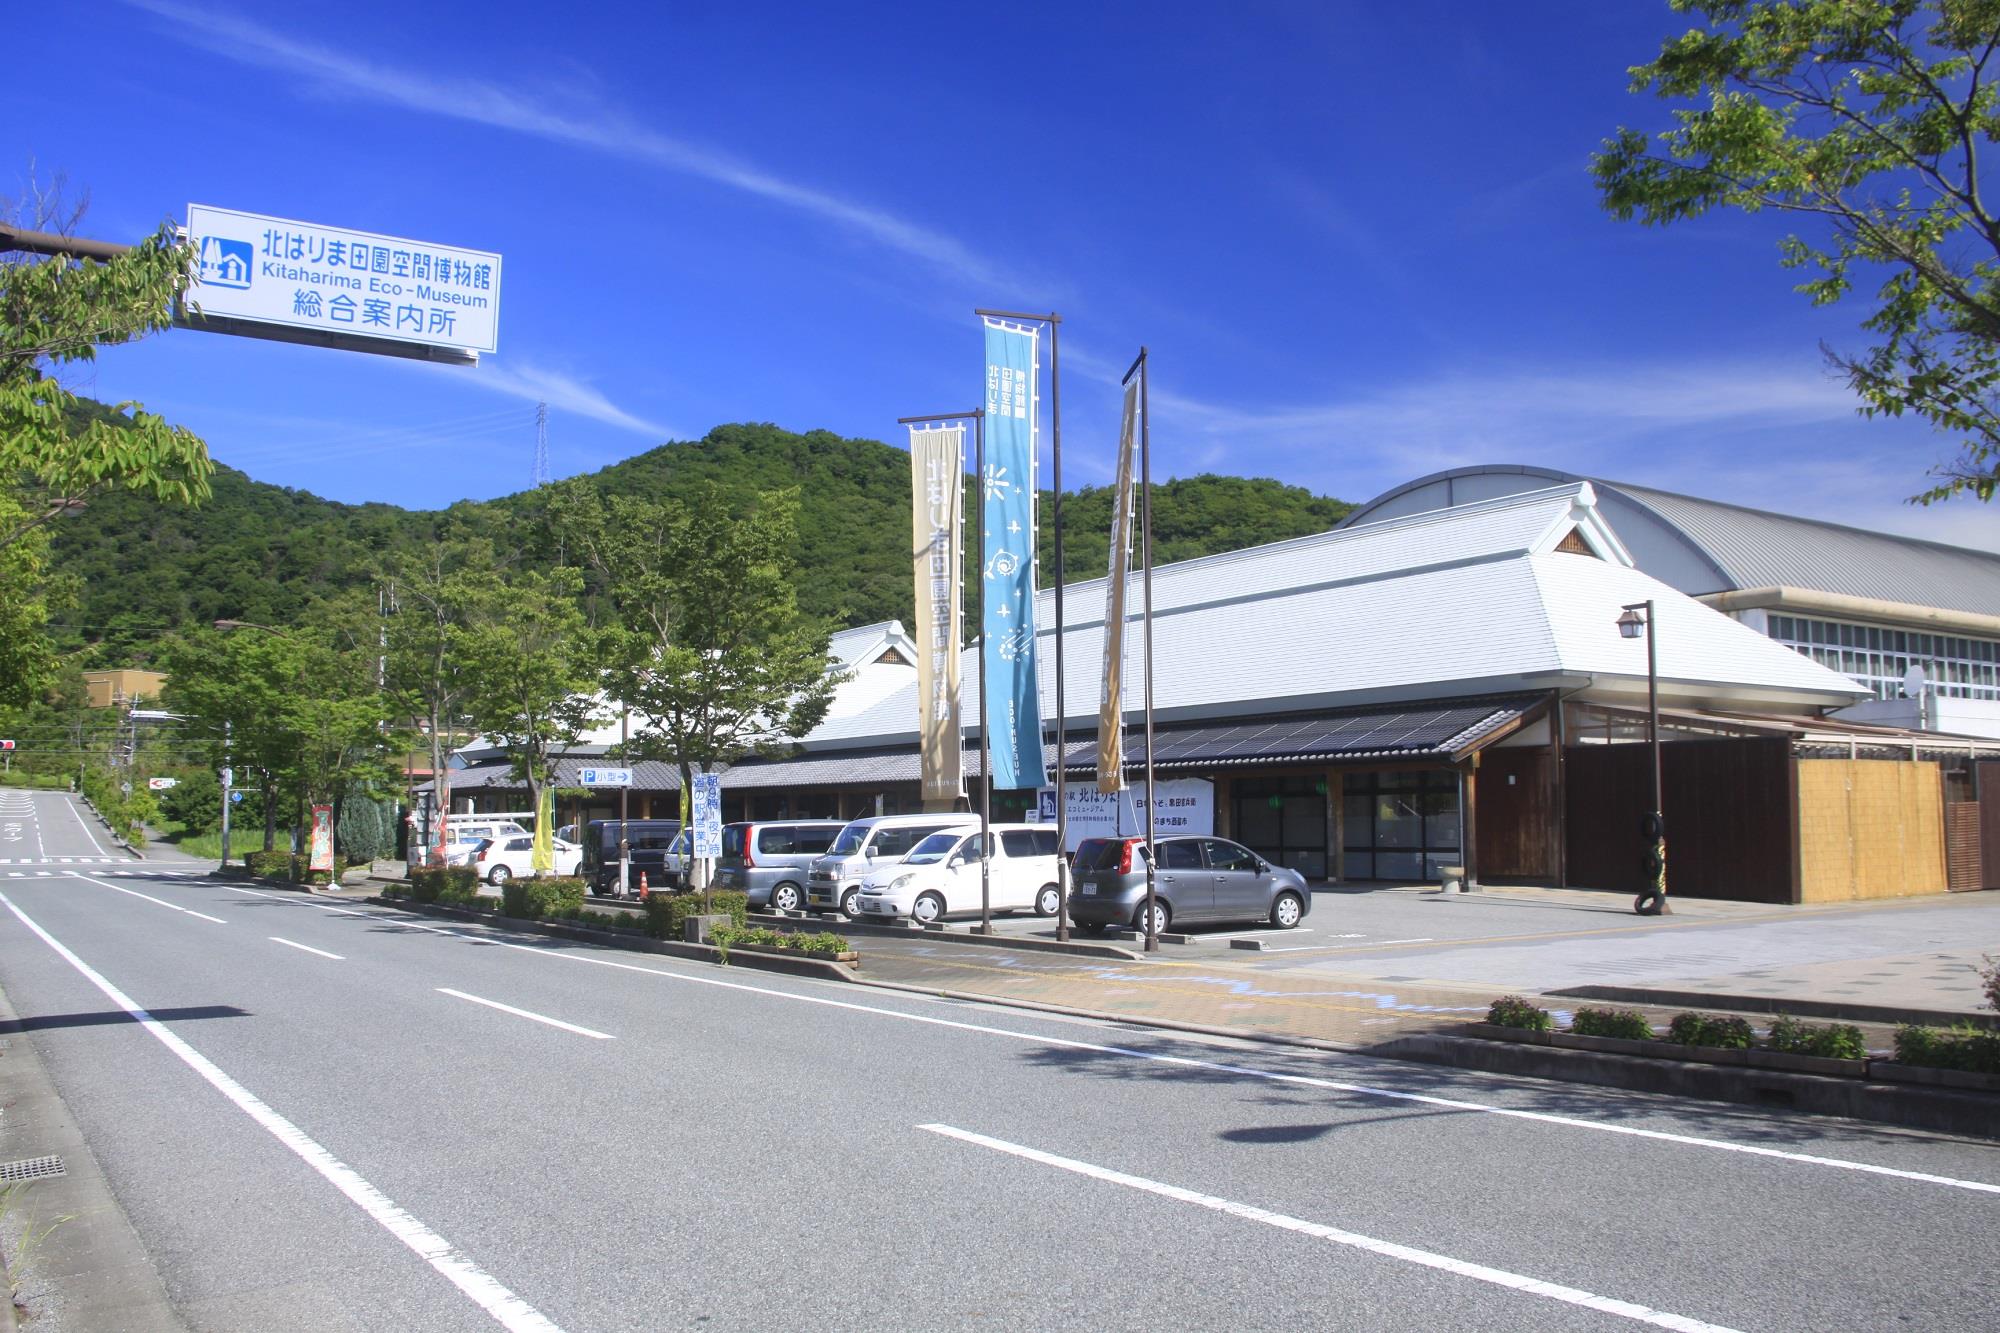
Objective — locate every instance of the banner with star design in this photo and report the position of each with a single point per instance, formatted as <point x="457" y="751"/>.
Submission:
<point x="1010" y="697"/>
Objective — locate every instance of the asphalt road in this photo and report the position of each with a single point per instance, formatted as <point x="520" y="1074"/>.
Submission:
<point x="346" y="1118"/>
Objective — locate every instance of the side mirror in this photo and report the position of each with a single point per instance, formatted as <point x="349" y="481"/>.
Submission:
<point x="869" y="851"/>
<point x="1263" y="867"/>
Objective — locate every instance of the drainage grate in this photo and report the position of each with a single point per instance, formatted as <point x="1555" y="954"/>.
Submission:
<point x="31" y="1168"/>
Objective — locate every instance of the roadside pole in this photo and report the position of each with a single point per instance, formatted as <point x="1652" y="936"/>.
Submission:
<point x="227" y="777"/>
<point x="624" y="806"/>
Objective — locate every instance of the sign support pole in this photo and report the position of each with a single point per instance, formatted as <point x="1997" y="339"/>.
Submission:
<point x="985" y="693"/>
<point x="1146" y="558"/>
<point x="624" y="807"/>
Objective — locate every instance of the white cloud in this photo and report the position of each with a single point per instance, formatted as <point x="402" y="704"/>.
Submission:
<point x="563" y="392"/>
<point x="605" y="129"/>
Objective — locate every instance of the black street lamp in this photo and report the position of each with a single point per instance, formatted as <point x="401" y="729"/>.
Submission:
<point x="1652" y="900"/>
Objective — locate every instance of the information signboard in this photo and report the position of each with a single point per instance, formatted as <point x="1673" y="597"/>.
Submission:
<point x="605" y="777"/>
<point x="708" y="814"/>
<point x="342" y="282"/>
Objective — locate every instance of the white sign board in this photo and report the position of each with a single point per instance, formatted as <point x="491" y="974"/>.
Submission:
<point x="338" y="281"/>
<point x="162" y="784"/>
<point x="606" y="777"/>
<point x="708" y="814"/>
<point x="1185" y="805"/>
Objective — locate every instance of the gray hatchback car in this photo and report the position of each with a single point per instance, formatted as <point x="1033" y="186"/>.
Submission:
<point x="767" y="859"/>
<point x="1199" y="880"/>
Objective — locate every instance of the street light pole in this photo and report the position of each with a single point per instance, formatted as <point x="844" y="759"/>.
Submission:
<point x="1638" y="618"/>
<point x="228" y="777"/>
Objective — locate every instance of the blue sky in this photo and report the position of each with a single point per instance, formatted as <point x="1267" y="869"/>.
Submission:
<point x="1360" y="239"/>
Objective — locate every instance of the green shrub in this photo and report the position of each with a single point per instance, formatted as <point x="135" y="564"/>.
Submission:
<point x="1729" y="1033"/>
<point x="1836" y="1041"/>
<point x="270" y="865"/>
<point x="665" y="912"/>
<point x="366" y="829"/>
<point x="1963" y="1047"/>
<point x="462" y="894"/>
<point x="584" y="916"/>
<point x="823" y="944"/>
<point x="532" y="899"/>
<point x="1990" y="975"/>
<point x="427" y="883"/>
<point x="1627" y="1023"/>
<point x="1511" y="1011"/>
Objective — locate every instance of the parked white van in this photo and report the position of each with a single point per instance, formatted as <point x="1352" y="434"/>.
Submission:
<point x="940" y="877"/>
<point x="833" y="881"/>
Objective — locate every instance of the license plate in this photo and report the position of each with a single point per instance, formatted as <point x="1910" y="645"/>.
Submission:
<point x="1088" y="890"/>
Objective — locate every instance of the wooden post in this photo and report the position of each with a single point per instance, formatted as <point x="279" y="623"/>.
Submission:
<point x="1468" y="827"/>
<point x="1336" y="826"/>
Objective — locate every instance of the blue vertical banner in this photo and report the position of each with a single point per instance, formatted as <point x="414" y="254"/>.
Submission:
<point x="1010" y="698"/>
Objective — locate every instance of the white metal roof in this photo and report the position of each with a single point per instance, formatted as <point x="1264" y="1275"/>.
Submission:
<point x="1471" y="599"/>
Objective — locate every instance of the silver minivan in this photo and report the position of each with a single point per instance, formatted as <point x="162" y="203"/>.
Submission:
<point x="768" y="859"/>
<point x="833" y="882"/>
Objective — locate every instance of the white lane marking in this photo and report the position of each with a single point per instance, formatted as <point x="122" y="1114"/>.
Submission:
<point x="510" y="1310"/>
<point x="1342" y="948"/>
<point x="523" y="1013"/>
<point x="1252" y="934"/>
<point x="70" y="806"/>
<point x="1499" y="1277"/>
<point x="172" y="907"/>
<point x="1244" y="1071"/>
<point x="279" y="939"/>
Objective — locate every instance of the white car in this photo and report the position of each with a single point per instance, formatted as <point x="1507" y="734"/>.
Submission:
<point x="465" y="837"/>
<point x="940" y="876"/>
<point x="500" y="859"/>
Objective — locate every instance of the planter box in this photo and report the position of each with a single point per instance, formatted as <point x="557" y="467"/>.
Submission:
<point x="1890" y="1072"/>
<point x="850" y="958"/>
<point x="1752" y="1058"/>
<point x="695" y="929"/>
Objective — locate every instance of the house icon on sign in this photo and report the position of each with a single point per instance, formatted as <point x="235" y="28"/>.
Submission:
<point x="225" y="263"/>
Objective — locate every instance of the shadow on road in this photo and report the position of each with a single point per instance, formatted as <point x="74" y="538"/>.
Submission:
<point x="43" y="1022"/>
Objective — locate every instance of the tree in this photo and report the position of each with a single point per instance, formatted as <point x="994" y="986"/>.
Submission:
<point x="532" y="673"/>
<point x="708" y="647"/>
<point x="1866" y="120"/>
<point x="445" y="592"/>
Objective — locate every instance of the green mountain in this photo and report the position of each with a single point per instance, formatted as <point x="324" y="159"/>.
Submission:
<point x="260" y="553"/>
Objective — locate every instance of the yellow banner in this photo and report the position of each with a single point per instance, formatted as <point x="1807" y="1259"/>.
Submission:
<point x="1110" y="733"/>
<point x="937" y="487"/>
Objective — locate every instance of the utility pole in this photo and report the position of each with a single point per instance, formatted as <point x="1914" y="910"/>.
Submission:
<point x="541" y="444"/>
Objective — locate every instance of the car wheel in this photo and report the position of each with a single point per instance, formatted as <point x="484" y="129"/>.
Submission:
<point x="847" y="904"/>
<point x="927" y="908"/>
<point x="1160" y="918"/>
<point x="1285" y="912"/>
<point x="1048" y="899"/>
<point x="786" y="897"/>
<point x="498" y="876"/>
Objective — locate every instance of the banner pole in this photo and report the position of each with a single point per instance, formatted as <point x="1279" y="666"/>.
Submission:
<point x="1146" y="550"/>
<point x="1062" y="713"/>
<point x="985" y="693"/>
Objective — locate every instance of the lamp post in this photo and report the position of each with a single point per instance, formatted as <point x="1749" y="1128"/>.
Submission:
<point x="1638" y="619"/>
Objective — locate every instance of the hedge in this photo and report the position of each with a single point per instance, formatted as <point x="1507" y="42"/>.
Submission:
<point x="1627" y="1023"/>
<point x="1839" y="1041"/>
<point x="429" y="884"/>
<point x="531" y="898"/>
<point x="1963" y="1047"/>
<point x="290" y="867"/>
<point x="824" y="944"/>
<point x="1511" y="1011"/>
<point x="665" y="912"/>
<point x="1713" y="1030"/>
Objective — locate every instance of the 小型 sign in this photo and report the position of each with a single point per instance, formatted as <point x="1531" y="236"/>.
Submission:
<point x="342" y="282"/>
<point x="605" y="777"/>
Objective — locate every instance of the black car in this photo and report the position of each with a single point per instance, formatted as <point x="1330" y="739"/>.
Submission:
<point x="649" y="840"/>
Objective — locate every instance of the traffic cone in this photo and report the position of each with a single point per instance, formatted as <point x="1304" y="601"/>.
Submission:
<point x="643" y="891"/>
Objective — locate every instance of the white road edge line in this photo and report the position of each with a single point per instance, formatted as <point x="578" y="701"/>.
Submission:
<point x="523" y="1013"/>
<point x="70" y="806"/>
<point x="120" y="888"/>
<point x="512" y="1313"/>
<point x="279" y="939"/>
<point x="1244" y="1071"/>
<point x="1499" y="1277"/>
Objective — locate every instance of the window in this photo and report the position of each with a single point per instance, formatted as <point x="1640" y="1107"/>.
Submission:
<point x="1956" y="667"/>
<point x="814" y="841"/>
<point x="777" y="840"/>
<point x="1228" y="856"/>
<point x="1026" y="842"/>
<point x="1180" y="855"/>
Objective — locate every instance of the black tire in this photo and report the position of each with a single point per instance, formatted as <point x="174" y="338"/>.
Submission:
<point x="787" y="896"/>
<point x="931" y="900"/>
<point x="1048" y="900"/>
<point x="847" y="907"/>
<point x="1162" y="914"/>
<point x="1287" y="910"/>
<point x="498" y="876"/>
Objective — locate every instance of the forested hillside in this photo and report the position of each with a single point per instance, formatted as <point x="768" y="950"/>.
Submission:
<point x="260" y="553"/>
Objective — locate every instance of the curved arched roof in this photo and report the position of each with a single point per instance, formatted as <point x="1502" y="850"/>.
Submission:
<point x="1706" y="546"/>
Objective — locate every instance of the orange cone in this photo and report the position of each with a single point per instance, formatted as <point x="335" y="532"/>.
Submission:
<point x="643" y="891"/>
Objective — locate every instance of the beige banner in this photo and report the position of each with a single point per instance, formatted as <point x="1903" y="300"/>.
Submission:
<point x="937" y="488"/>
<point x="1110" y="720"/>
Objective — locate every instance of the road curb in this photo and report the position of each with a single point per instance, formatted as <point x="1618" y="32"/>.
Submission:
<point x="1766" y="1004"/>
<point x="91" y="1264"/>
<point x="798" y="966"/>
<point x="1942" y="1110"/>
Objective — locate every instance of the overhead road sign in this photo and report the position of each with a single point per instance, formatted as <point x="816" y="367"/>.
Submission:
<point x="606" y="777"/>
<point x="332" y="286"/>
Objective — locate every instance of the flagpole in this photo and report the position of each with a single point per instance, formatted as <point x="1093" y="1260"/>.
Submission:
<point x="1146" y="560"/>
<point x="1054" y="321"/>
<point x="985" y="693"/>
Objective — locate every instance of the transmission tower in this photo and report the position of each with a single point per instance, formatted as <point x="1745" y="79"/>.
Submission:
<point x="541" y="444"/>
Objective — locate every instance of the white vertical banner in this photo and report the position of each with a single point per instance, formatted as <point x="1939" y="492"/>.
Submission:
<point x="937" y="488"/>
